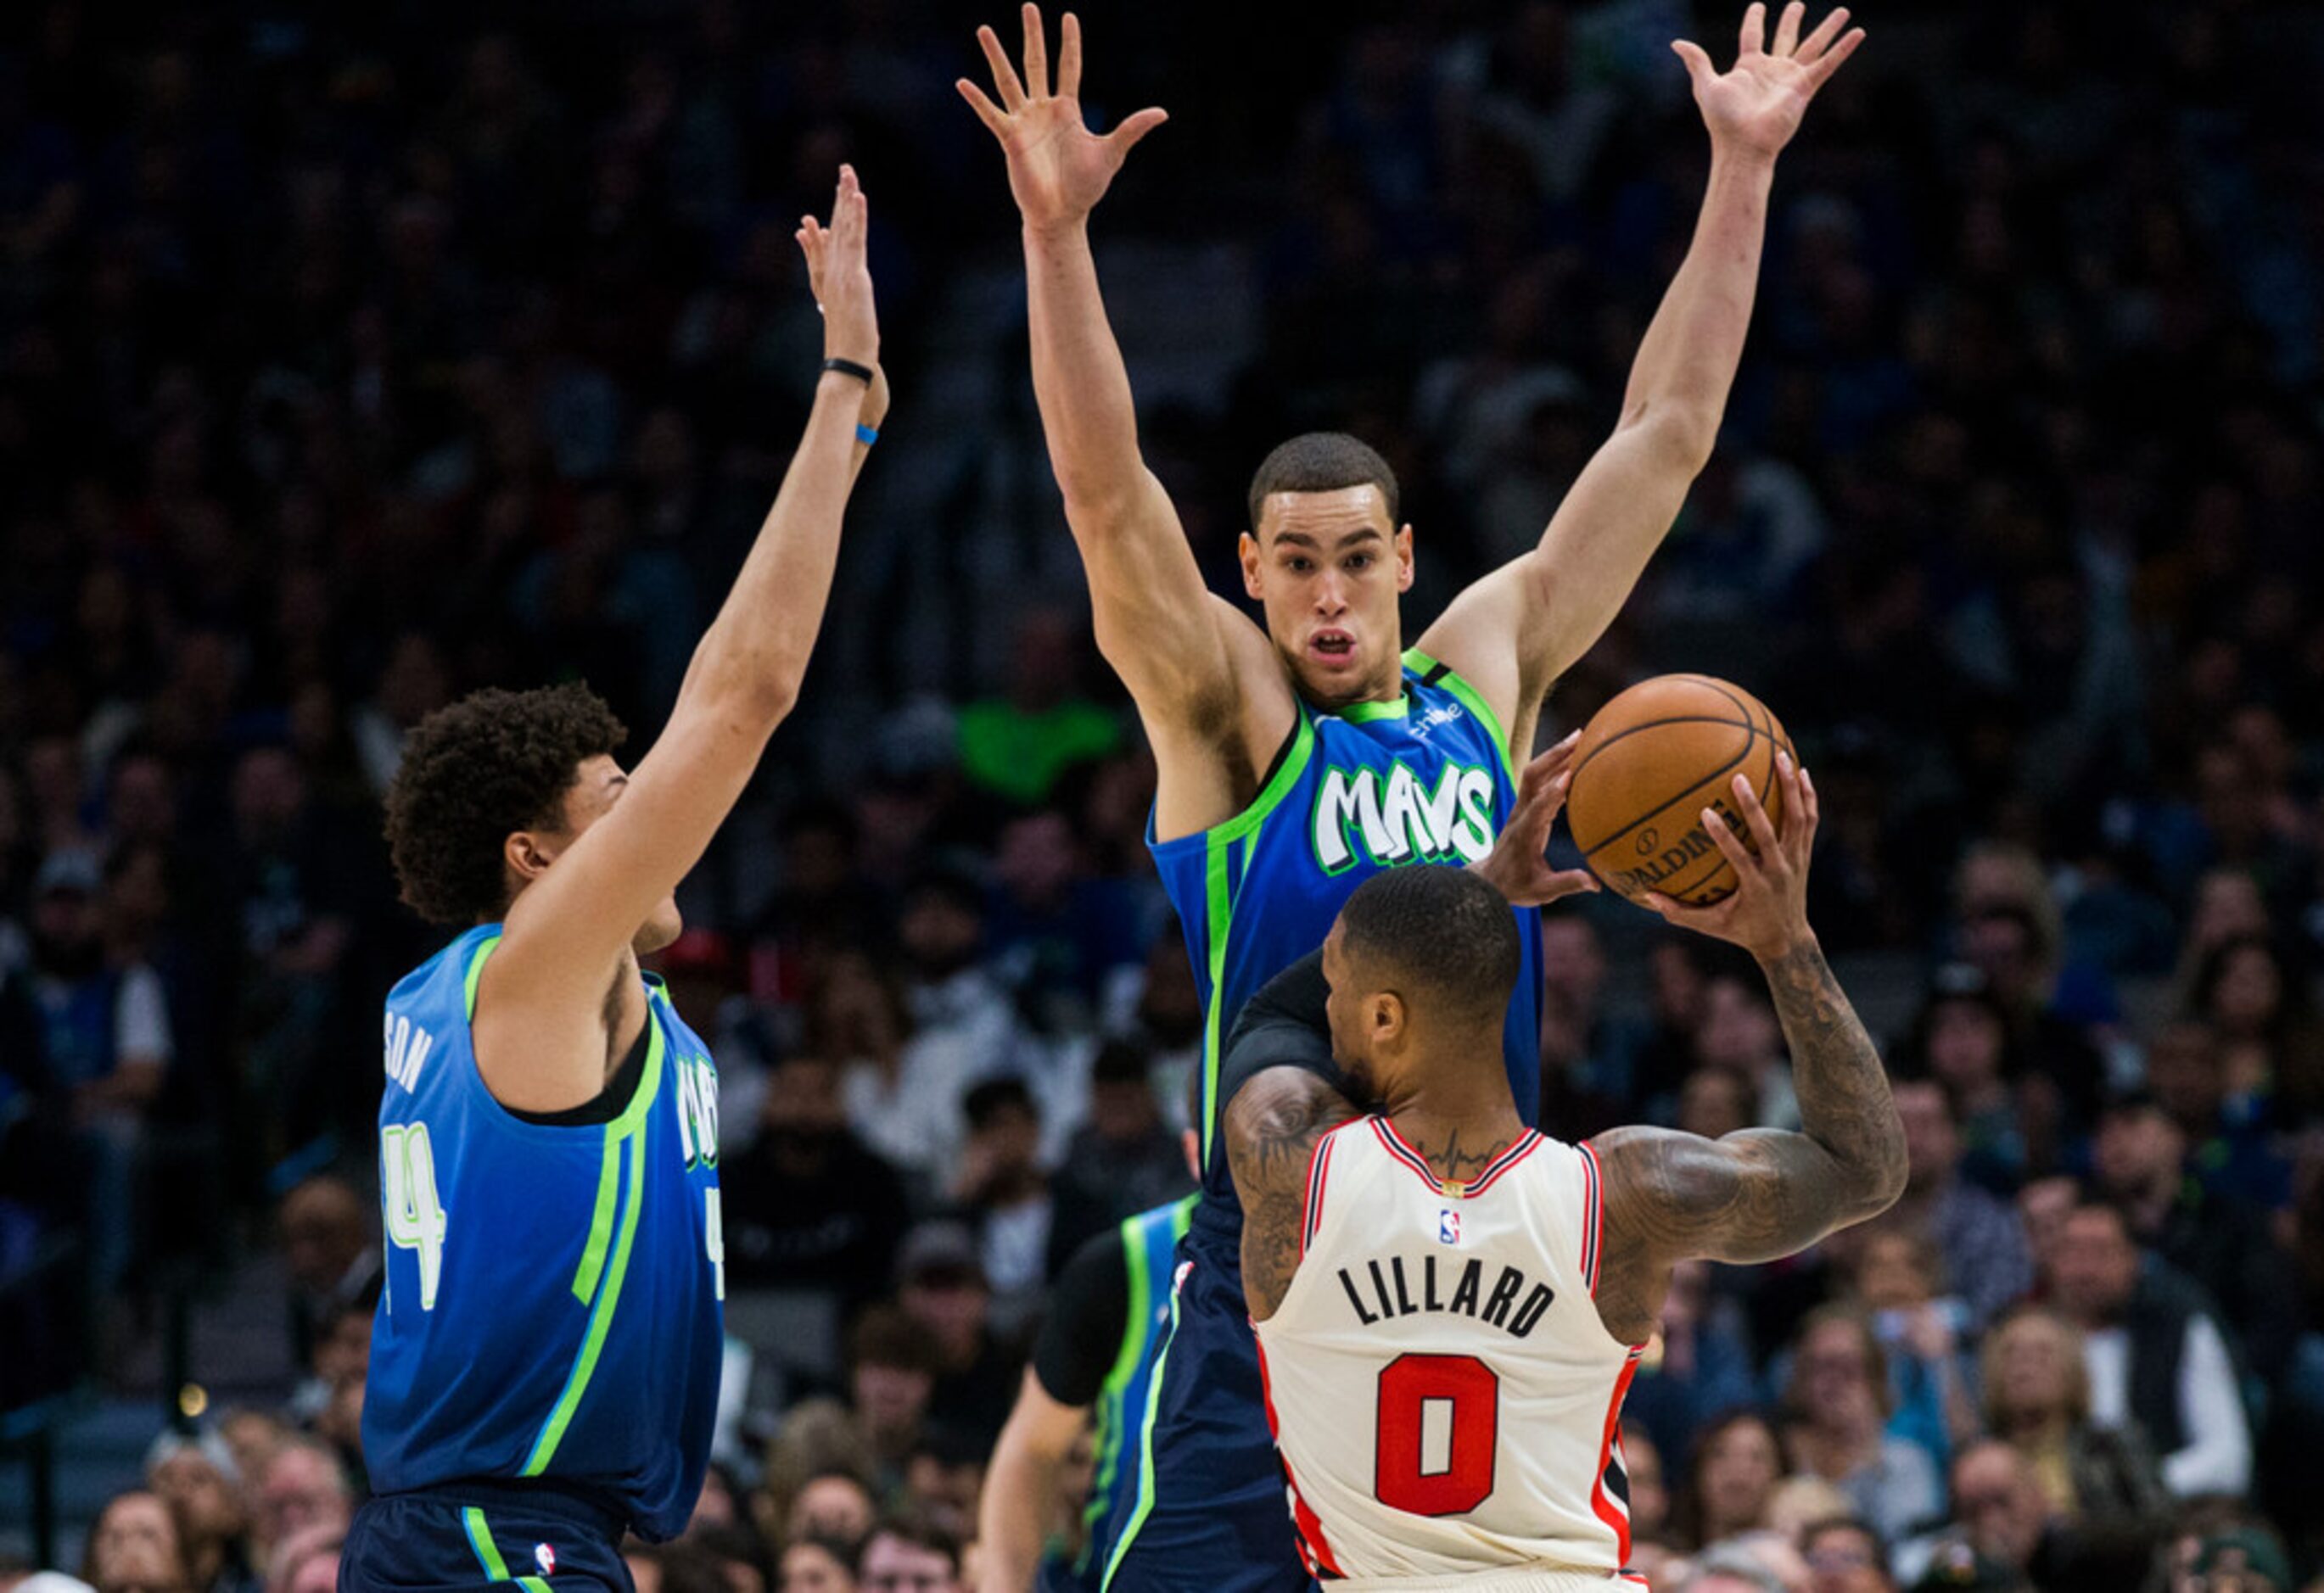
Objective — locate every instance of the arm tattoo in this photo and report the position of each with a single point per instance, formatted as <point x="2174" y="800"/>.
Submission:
<point x="1761" y="1193"/>
<point x="1272" y="1125"/>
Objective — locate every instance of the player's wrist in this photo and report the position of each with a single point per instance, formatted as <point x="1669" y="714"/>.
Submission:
<point x="1731" y="153"/>
<point x="1796" y="941"/>
<point x="1063" y="231"/>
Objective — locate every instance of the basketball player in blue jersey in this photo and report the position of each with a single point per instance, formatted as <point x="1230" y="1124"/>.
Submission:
<point x="545" y="1361"/>
<point x="1298" y="760"/>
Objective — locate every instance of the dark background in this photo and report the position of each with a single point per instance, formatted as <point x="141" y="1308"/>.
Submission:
<point x="354" y="357"/>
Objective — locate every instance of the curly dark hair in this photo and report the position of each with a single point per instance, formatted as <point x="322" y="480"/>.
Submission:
<point x="473" y="773"/>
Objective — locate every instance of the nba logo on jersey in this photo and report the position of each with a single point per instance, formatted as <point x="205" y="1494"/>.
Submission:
<point x="1448" y="1227"/>
<point x="545" y="1558"/>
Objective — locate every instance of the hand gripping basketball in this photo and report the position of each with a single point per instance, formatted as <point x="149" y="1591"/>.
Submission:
<point x="1768" y="911"/>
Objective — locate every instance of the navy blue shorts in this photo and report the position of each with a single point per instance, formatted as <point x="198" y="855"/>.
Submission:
<point x="1218" y="1519"/>
<point x="465" y="1537"/>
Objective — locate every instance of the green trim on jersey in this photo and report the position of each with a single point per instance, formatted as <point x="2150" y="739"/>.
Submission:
<point x="484" y="949"/>
<point x="1469" y="699"/>
<point x="1218" y="897"/>
<point x="1365" y="712"/>
<point x="488" y="1553"/>
<point x="1142" y="1284"/>
<point x="1145" y="1506"/>
<point x="625" y="1141"/>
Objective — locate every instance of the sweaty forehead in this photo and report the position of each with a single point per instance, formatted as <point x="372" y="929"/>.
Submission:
<point x="1326" y="516"/>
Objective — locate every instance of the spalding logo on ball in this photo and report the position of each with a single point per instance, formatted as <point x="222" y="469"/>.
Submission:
<point x="1648" y="765"/>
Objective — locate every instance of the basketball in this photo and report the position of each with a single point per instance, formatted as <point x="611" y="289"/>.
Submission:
<point x="1648" y="763"/>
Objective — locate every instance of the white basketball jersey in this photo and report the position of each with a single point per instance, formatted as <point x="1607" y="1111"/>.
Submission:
<point x="1445" y="1397"/>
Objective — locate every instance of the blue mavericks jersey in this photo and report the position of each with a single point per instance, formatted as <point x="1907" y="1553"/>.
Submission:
<point x="551" y="1307"/>
<point x="1149" y="1244"/>
<point x="1424" y="779"/>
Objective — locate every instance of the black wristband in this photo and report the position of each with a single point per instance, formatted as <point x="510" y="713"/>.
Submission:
<point x="849" y="368"/>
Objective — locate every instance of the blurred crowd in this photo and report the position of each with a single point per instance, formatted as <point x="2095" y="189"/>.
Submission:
<point x="354" y="357"/>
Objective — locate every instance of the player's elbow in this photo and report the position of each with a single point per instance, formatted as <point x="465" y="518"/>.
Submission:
<point x="1677" y="434"/>
<point x="1884" y="1171"/>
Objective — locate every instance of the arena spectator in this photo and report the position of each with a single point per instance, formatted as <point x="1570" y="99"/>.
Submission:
<point x="105" y="1043"/>
<point x="1981" y="1239"/>
<point x="2037" y="1400"/>
<point x="1738" y="1034"/>
<point x="1930" y="1369"/>
<point x="816" y="1564"/>
<point x="303" y="1487"/>
<point x="892" y="1362"/>
<point x="1601" y="1045"/>
<point x="1839" y="1402"/>
<point x="1706" y="1364"/>
<point x="135" y="1546"/>
<point x="1059" y="938"/>
<point x="1125" y="1159"/>
<point x="198" y="1479"/>
<point x="1963" y="1041"/>
<point x="330" y="1250"/>
<point x="1737" y="1462"/>
<point x="2271" y="1039"/>
<point x="1845" y="1556"/>
<point x="941" y="1286"/>
<point x="910" y="1554"/>
<point x="2156" y="1353"/>
<point x="808" y="1206"/>
<point x="2140" y="1158"/>
<point x="2233" y="1152"/>
<point x="834" y="1508"/>
<point x="1002" y="1193"/>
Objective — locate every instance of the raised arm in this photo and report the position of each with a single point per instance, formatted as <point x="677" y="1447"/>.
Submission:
<point x="1514" y="632"/>
<point x="1760" y="1193"/>
<point x="1184" y="655"/>
<point x="540" y="1022"/>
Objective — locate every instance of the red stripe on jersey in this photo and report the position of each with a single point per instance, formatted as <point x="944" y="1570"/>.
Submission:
<point x="1593" y="1217"/>
<point x="1314" y="1547"/>
<point x="1394" y="1144"/>
<point x="1319" y="1168"/>
<point x="1608" y="1509"/>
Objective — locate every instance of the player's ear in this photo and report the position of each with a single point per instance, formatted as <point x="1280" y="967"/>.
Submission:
<point x="1247" y="551"/>
<point x="1384" y="1016"/>
<point x="528" y="854"/>
<point x="1403" y="544"/>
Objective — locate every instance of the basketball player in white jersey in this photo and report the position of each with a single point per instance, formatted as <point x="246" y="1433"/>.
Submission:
<point x="1449" y="1306"/>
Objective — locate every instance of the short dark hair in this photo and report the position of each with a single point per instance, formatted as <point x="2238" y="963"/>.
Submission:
<point x="1442" y="927"/>
<point x="474" y="773"/>
<point x="1322" y="462"/>
<point x="985" y="1100"/>
<point x="890" y="1336"/>
<point x="1119" y="1062"/>
<point x="917" y="1526"/>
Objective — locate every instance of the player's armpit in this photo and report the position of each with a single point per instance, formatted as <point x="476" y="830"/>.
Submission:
<point x="1272" y="1125"/>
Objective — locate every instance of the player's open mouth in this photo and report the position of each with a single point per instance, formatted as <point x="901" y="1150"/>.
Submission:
<point x="1332" y="647"/>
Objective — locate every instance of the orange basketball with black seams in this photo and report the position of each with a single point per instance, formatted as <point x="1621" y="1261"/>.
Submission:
<point x="1648" y="765"/>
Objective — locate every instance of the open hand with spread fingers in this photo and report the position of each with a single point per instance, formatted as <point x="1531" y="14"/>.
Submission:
<point x="1767" y="913"/>
<point x="1516" y="867"/>
<point x="1057" y="168"/>
<point x="839" y="274"/>
<point x="1755" y="106"/>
